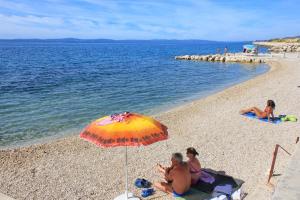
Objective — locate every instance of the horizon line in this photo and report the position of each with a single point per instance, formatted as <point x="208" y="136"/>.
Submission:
<point x="3" y="39"/>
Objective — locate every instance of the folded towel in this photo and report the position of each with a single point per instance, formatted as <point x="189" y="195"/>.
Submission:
<point x="206" y="177"/>
<point x="290" y="118"/>
<point x="223" y="190"/>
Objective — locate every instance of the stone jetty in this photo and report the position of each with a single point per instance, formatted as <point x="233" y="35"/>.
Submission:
<point x="229" y="57"/>
<point x="279" y="47"/>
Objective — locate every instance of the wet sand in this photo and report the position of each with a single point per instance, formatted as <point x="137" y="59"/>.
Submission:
<point x="72" y="168"/>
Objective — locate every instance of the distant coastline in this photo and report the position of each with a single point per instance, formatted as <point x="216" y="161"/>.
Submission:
<point x="77" y="40"/>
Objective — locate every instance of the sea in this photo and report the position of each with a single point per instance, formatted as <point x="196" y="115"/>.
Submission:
<point x="53" y="88"/>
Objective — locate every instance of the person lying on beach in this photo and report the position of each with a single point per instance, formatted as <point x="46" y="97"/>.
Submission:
<point x="177" y="177"/>
<point x="194" y="164"/>
<point x="262" y="114"/>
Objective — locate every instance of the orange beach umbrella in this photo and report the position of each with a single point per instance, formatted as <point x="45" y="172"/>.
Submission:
<point x="126" y="129"/>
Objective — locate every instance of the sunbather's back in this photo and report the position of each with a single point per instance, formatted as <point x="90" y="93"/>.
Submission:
<point x="181" y="178"/>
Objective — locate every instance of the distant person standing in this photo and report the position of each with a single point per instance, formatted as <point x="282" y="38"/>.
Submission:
<point x="225" y="50"/>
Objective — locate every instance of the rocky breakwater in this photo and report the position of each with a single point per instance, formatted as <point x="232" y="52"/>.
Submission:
<point x="229" y="57"/>
<point x="280" y="47"/>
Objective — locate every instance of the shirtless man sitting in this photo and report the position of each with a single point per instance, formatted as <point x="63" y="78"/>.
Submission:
<point x="178" y="177"/>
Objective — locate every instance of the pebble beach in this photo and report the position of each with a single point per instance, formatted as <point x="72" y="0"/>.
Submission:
<point x="72" y="168"/>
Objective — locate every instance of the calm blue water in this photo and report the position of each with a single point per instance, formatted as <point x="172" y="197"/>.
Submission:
<point x="50" y="89"/>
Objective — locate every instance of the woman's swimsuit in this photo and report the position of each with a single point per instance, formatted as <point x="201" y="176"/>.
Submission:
<point x="193" y="170"/>
<point x="265" y="113"/>
<point x="267" y="110"/>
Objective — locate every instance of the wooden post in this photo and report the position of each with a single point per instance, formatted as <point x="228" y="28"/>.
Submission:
<point x="273" y="162"/>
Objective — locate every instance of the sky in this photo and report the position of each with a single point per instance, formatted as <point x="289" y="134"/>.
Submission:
<point x="219" y="20"/>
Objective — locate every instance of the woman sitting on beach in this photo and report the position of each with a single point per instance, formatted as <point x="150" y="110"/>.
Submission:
<point x="262" y="114"/>
<point x="194" y="164"/>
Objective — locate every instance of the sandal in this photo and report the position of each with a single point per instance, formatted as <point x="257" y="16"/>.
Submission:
<point x="147" y="192"/>
<point x="142" y="183"/>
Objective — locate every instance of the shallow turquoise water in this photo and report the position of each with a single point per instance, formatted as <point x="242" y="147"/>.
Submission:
<point x="49" y="89"/>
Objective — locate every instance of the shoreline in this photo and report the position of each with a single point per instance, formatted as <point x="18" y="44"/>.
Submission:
<point x="196" y="98"/>
<point x="72" y="168"/>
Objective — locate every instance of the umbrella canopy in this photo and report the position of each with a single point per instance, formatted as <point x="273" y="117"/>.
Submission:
<point x="126" y="129"/>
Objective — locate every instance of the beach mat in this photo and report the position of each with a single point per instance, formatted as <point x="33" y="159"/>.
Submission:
<point x="220" y="179"/>
<point x="277" y="120"/>
<point x="204" y="191"/>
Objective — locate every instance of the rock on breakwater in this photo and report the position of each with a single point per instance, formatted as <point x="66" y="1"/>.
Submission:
<point x="229" y="57"/>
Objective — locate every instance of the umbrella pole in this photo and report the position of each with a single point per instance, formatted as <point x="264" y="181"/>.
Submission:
<point x="127" y="195"/>
<point x="126" y="174"/>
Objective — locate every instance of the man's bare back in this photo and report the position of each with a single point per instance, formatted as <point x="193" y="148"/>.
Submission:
<point x="177" y="177"/>
<point x="181" y="178"/>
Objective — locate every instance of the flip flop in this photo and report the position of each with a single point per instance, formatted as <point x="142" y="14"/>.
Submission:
<point x="142" y="183"/>
<point x="147" y="192"/>
<point x="138" y="183"/>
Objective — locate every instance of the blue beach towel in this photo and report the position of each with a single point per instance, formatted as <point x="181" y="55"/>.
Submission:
<point x="277" y="120"/>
